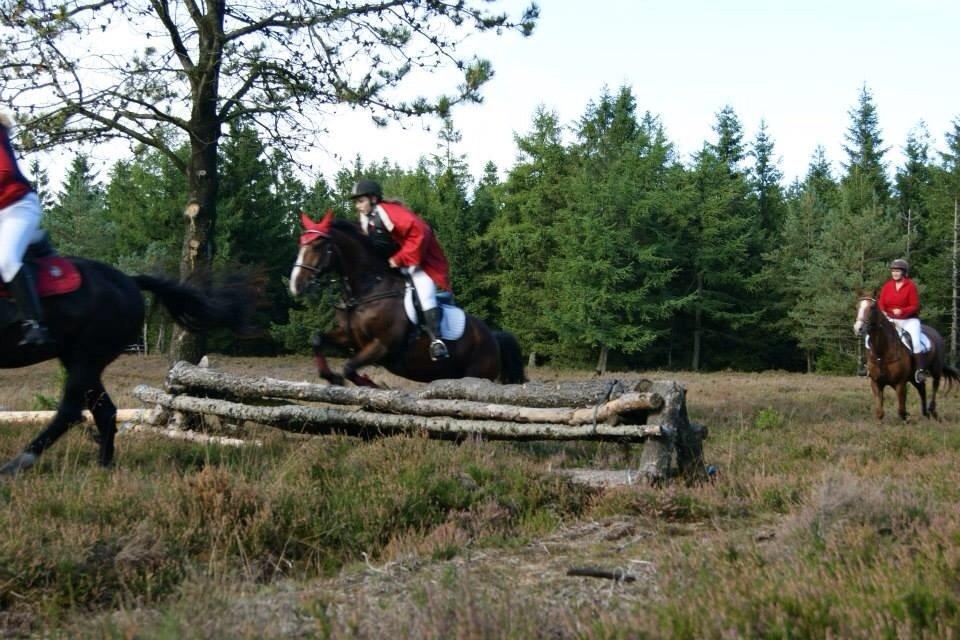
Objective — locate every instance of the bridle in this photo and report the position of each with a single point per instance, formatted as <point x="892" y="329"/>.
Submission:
<point x="348" y="301"/>
<point x="872" y="322"/>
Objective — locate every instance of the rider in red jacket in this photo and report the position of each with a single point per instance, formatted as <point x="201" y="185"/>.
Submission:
<point x="411" y="246"/>
<point x="901" y="303"/>
<point x="19" y="222"/>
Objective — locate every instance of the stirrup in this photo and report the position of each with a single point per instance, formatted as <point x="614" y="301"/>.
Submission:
<point x="438" y="350"/>
<point x="920" y="376"/>
<point x="35" y="335"/>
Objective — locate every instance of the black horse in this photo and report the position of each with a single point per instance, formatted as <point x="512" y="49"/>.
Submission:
<point x="93" y="325"/>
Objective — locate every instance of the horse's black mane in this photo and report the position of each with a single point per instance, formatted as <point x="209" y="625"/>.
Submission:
<point x="352" y="229"/>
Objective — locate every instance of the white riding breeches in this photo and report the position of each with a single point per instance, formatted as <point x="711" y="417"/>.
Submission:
<point x="19" y="226"/>
<point x="911" y="326"/>
<point x="425" y="287"/>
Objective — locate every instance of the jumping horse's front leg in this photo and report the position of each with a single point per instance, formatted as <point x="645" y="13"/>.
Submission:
<point x="317" y="342"/>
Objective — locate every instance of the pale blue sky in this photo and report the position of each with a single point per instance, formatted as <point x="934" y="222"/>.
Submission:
<point x="798" y="65"/>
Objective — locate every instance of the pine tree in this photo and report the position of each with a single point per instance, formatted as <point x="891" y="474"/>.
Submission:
<point x="608" y="272"/>
<point x="77" y="221"/>
<point x="719" y="236"/>
<point x="913" y="181"/>
<point x="486" y="203"/>
<point x="765" y="178"/>
<point x="865" y="166"/>
<point x="535" y="194"/>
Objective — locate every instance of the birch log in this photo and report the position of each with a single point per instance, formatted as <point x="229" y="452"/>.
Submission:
<point x="318" y="420"/>
<point x="189" y="379"/>
<point x="43" y="417"/>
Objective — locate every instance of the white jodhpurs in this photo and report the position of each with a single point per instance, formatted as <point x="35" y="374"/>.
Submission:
<point x="19" y="226"/>
<point x="425" y="287"/>
<point x="911" y="326"/>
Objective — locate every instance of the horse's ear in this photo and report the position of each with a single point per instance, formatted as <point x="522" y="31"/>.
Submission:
<point x="306" y="221"/>
<point x="327" y="220"/>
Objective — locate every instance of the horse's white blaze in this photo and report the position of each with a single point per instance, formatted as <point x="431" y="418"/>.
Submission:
<point x="295" y="274"/>
<point x="861" y="315"/>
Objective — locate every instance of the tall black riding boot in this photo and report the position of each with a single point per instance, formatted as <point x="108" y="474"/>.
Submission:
<point x="24" y="291"/>
<point x="920" y="371"/>
<point x="431" y="323"/>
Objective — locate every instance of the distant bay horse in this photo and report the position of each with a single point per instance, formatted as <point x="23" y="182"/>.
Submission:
<point x="94" y="312"/>
<point x="372" y="321"/>
<point x="891" y="363"/>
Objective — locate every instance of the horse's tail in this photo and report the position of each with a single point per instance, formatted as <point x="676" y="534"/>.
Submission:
<point x="226" y="307"/>
<point x="511" y="358"/>
<point x="952" y="376"/>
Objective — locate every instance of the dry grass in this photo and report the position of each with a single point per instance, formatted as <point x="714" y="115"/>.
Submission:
<point x="822" y="523"/>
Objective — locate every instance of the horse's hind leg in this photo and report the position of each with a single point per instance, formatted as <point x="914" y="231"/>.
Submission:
<point x="68" y="413"/>
<point x="105" y="415"/>
<point x="933" y="397"/>
<point x="371" y="353"/>
<point x="922" y="392"/>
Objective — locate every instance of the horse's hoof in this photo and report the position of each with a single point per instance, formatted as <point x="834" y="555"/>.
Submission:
<point x="18" y="464"/>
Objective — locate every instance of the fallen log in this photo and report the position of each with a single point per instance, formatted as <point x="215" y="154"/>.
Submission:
<point x="43" y="417"/>
<point x="191" y="436"/>
<point x="533" y="394"/>
<point x="192" y="380"/>
<point x="320" y="420"/>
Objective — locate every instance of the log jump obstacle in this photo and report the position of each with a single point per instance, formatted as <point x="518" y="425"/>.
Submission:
<point x="627" y="411"/>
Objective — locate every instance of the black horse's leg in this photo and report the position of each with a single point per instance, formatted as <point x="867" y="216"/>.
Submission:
<point x="105" y="415"/>
<point x="317" y="342"/>
<point x="371" y="353"/>
<point x="68" y="413"/>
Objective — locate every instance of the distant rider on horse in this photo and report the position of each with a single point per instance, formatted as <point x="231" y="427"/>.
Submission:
<point x="19" y="223"/>
<point x="411" y="246"/>
<point x="900" y="302"/>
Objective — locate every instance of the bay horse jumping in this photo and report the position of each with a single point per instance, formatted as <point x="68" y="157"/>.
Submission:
<point x="891" y="363"/>
<point x="92" y="325"/>
<point x="372" y="321"/>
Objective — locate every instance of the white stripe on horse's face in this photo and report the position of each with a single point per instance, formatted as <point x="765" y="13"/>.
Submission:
<point x="862" y="309"/>
<point x="297" y="272"/>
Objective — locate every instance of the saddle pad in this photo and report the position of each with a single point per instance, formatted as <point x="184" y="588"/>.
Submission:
<point x="453" y="322"/>
<point x="905" y="337"/>
<point x="55" y="275"/>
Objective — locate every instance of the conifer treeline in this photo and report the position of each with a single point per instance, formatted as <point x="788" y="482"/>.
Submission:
<point x="609" y="246"/>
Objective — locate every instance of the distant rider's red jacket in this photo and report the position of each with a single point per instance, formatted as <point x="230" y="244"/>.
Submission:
<point x="906" y="299"/>
<point x="418" y="245"/>
<point x="13" y="185"/>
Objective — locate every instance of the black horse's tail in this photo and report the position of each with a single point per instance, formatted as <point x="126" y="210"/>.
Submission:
<point x="511" y="358"/>
<point x="952" y="376"/>
<point x="201" y="309"/>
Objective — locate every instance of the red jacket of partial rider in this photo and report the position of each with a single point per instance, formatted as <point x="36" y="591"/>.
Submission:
<point x="13" y="185"/>
<point x="418" y="245"/>
<point x="906" y="299"/>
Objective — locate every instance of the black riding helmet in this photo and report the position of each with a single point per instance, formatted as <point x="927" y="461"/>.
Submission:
<point x="366" y="188"/>
<point x="901" y="264"/>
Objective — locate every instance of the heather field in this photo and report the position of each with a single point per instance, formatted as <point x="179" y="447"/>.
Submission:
<point x="821" y="523"/>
